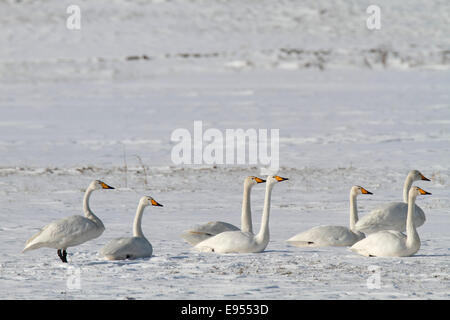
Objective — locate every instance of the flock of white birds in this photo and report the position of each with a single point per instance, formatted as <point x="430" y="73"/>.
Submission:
<point x="379" y="233"/>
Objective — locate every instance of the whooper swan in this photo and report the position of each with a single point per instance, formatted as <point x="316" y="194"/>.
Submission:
<point x="242" y="241"/>
<point x="392" y="216"/>
<point x="339" y="236"/>
<point x="392" y="243"/>
<point x="71" y="231"/>
<point x="210" y="229"/>
<point x="135" y="247"/>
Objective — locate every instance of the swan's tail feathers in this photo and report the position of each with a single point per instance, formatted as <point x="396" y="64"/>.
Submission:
<point x="299" y="243"/>
<point x="195" y="237"/>
<point x="32" y="244"/>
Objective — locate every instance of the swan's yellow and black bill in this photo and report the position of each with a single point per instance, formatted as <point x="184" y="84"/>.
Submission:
<point x="423" y="191"/>
<point x="259" y="180"/>
<point x="364" y="191"/>
<point x="424" y="178"/>
<point x="280" y="178"/>
<point x="105" y="186"/>
<point x="154" y="203"/>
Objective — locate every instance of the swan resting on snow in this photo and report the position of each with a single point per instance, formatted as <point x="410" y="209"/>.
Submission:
<point x="71" y="231"/>
<point x="210" y="229"/>
<point x="135" y="247"/>
<point x="339" y="236"/>
<point x="392" y="243"/>
<point x="244" y="241"/>
<point x="392" y="216"/>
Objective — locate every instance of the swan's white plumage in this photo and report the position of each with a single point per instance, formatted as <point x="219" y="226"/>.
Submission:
<point x="70" y="231"/>
<point x="392" y="216"/>
<point x="241" y="241"/>
<point x="232" y="242"/>
<point x="134" y="247"/>
<point x="392" y="243"/>
<point x="339" y="236"/>
<point x="202" y="232"/>
<point x="127" y="248"/>
<point x="386" y="243"/>
<point x="323" y="236"/>
<point x="65" y="233"/>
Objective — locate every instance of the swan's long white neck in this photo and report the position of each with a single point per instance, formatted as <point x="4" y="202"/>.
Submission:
<point x="137" y="229"/>
<point x="263" y="235"/>
<point x="412" y="237"/>
<point x="407" y="186"/>
<point x="246" y="216"/>
<point x="353" y="210"/>
<point x="87" y="210"/>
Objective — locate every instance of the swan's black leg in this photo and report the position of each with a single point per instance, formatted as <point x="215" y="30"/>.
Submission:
<point x="59" y="254"/>
<point x="63" y="255"/>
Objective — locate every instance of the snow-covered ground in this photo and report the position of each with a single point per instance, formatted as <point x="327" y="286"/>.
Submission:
<point x="353" y="106"/>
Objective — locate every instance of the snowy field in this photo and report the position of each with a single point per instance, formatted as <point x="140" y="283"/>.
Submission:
<point x="353" y="108"/>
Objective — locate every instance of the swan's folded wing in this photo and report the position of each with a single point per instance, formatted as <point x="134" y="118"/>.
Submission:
<point x="383" y="243"/>
<point x="202" y="232"/>
<point x="75" y="230"/>
<point x="64" y="233"/>
<point x="390" y="216"/>
<point x="324" y="236"/>
<point x="214" y="227"/>
<point x="305" y="238"/>
<point x="126" y="248"/>
<point x="228" y="242"/>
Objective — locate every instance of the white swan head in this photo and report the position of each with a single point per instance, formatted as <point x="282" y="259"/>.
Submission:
<point x="415" y="175"/>
<point x="252" y="180"/>
<point x="415" y="191"/>
<point x="149" y="201"/>
<point x="359" y="190"/>
<point x="98" y="185"/>
<point x="275" y="179"/>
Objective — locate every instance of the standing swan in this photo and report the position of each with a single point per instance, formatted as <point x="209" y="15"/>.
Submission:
<point x="210" y="229"/>
<point x="392" y="216"/>
<point x="244" y="241"/>
<point x="337" y="236"/>
<point x="136" y="246"/>
<point x="392" y="243"/>
<point x="70" y="231"/>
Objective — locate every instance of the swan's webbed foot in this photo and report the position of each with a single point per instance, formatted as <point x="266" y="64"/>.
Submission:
<point x="62" y="255"/>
